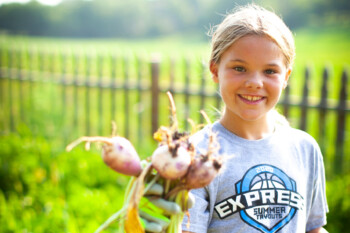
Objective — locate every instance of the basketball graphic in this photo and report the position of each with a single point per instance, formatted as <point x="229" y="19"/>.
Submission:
<point x="266" y="181"/>
<point x="266" y="199"/>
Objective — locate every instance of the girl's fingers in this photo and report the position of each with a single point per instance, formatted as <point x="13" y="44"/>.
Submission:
<point x="155" y="189"/>
<point x="169" y="207"/>
<point x="152" y="223"/>
<point x="151" y="226"/>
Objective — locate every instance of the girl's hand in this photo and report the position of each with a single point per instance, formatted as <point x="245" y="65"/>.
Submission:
<point x="155" y="211"/>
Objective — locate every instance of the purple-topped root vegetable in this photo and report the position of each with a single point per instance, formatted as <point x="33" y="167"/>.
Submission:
<point x="171" y="162"/>
<point x="118" y="153"/>
<point x="202" y="171"/>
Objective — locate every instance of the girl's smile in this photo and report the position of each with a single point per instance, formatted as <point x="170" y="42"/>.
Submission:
<point x="251" y="99"/>
<point x="251" y="74"/>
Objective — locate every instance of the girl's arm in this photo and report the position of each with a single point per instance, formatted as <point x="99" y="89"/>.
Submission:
<point x="318" y="230"/>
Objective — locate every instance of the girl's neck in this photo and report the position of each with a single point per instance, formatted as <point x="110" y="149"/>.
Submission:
<point x="250" y="130"/>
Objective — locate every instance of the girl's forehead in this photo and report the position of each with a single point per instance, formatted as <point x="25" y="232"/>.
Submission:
<point x="255" y="46"/>
<point x="255" y="43"/>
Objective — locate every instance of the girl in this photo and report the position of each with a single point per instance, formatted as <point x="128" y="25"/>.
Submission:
<point x="273" y="179"/>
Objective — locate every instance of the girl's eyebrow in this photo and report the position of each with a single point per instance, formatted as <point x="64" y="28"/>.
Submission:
<point x="274" y="65"/>
<point x="277" y="65"/>
<point x="237" y="60"/>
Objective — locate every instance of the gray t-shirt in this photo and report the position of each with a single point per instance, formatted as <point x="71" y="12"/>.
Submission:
<point x="275" y="184"/>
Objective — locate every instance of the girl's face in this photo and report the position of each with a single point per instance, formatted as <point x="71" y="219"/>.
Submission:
<point x="251" y="74"/>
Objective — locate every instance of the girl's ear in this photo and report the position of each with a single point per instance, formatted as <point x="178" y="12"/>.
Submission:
<point x="214" y="71"/>
<point x="286" y="78"/>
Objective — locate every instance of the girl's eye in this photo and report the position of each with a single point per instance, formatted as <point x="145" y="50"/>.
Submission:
<point x="239" y="69"/>
<point x="270" y="71"/>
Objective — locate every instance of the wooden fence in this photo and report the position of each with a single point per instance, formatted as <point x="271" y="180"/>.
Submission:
<point x="66" y="96"/>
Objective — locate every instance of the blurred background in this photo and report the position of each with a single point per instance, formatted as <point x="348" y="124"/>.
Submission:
<point x="68" y="68"/>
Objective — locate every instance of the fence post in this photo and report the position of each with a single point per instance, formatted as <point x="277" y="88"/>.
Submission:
<point x="202" y="90"/>
<point x="75" y="90"/>
<point x="64" y="82"/>
<point x="304" y="101"/>
<point x="113" y="86"/>
<point x="139" y="73"/>
<point x="20" y="83"/>
<point x="99" y="62"/>
<point x="87" y="92"/>
<point x="323" y="107"/>
<point x="10" y="82"/>
<point x="172" y="88"/>
<point x="341" y="123"/>
<point x="126" y="95"/>
<point x="286" y="101"/>
<point x="187" y="92"/>
<point x="155" y="93"/>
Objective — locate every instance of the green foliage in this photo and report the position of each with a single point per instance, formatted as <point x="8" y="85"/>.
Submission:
<point x="43" y="189"/>
<point x="338" y="197"/>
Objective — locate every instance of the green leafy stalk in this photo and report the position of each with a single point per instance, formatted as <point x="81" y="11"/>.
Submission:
<point x="176" y="220"/>
<point x="121" y="213"/>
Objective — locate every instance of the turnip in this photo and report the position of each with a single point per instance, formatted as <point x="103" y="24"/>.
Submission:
<point x="118" y="153"/>
<point x="202" y="171"/>
<point x="171" y="162"/>
<point x="204" y="167"/>
<point x="173" y="157"/>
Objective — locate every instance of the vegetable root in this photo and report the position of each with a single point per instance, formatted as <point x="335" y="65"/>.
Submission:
<point x="171" y="163"/>
<point x="118" y="153"/>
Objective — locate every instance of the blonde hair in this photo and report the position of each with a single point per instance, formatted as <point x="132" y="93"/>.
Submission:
<point x="252" y="20"/>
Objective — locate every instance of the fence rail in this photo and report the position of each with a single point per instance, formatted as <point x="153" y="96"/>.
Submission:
<point x="75" y="100"/>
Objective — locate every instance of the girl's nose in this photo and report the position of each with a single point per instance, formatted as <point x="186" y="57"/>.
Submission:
<point x="254" y="81"/>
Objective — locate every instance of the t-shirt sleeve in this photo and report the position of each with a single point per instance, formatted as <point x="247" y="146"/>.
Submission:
<point x="319" y="207"/>
<point x="198" y="218"/>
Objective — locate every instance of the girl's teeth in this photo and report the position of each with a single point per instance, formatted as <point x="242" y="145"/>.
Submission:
<point x="251" y="98"/>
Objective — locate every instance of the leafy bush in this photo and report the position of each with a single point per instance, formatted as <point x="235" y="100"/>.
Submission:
<point x="46" y="191"/>
<point x="338" y="197"/>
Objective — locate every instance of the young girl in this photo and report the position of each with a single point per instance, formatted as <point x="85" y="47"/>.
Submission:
<point x="273" y="177"/>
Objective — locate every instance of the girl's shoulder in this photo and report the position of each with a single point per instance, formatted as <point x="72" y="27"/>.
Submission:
<point x="295" y="136"/>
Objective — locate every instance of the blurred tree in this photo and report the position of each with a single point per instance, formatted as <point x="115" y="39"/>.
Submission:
<point x="148" y="18"/>
<point x="28" y="18"/>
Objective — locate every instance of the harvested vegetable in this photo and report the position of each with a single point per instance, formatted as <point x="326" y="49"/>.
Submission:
<point x="202" y="171"/>
<point x="118" y="153"/>
<point x="204" y="167"/>
<point x="171" y="163"/>
<point x="174" y="165"/>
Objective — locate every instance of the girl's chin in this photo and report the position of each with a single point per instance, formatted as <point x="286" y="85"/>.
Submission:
<point x="251" y="116"/>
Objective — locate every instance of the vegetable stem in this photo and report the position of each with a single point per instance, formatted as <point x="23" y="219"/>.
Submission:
<point x="111" y="219"/>
<point x="88" y="140"/>
<point x="153" y="181"/>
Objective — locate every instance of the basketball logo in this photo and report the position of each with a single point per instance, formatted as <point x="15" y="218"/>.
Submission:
<point x="266" y="181"/>
<point x="266" y="199"/>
